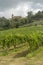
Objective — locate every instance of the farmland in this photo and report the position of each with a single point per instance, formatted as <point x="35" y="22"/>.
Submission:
<point x="21" y="32"/>
<point x="33" y="36"/>
<point x="22" y="46"/>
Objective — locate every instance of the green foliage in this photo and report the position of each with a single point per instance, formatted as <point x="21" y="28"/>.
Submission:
<point x="30" y="35"/>
<point x="18" y="21"/>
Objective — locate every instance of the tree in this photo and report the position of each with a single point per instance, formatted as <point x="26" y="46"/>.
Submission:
<point x="30" y="14"/>
<point x="29" y="17"/>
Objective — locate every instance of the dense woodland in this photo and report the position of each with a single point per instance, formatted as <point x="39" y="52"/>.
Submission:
<point x="17" y="21"/>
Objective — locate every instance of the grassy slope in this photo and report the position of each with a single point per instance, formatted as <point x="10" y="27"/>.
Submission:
<point x="21" y="57"/>
<point x="36" y="22"/>
<point x="24" y="30"/>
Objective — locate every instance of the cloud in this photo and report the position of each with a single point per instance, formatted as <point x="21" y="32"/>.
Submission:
<point x="20" y="10"/>
<point x="6" y="4"/>
<point x="19" y="7"/>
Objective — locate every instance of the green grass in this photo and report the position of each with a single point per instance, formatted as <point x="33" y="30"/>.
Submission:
<point x="29" y="42"/>
<point x="35" y="53"/>
<point x="32" y="35"/>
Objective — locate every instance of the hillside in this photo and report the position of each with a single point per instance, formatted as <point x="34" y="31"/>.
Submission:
<point x="21" y="32"/>
<point x="28" y="48"/>
<point x="34" y="23"/>
<point x="18" y="58"/>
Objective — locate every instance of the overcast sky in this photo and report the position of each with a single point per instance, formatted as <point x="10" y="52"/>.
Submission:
<point x="19" y="7"/>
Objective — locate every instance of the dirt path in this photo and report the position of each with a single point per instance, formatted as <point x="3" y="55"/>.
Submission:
<point x="19" y="59"/>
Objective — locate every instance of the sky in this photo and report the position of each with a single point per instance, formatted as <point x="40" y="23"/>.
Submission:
<point x="19" y="7"/>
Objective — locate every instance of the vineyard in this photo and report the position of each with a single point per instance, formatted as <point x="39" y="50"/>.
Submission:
<point x="33" y="36"/>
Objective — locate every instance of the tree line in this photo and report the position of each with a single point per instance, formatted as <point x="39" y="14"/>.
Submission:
<point x="17" y="21"/>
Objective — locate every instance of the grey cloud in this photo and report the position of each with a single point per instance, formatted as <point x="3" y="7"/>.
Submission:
<point x="37" y="6"/>
<point x="6" y="4"/>
<point x="36" y="1"/>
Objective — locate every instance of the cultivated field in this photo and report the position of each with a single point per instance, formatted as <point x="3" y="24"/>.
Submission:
<point x="22" y="46"/>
